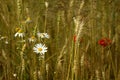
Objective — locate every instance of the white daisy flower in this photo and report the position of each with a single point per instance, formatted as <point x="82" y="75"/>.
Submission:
<point x="43" y="35"/>
<point x="40" y="48"/>
<point x="32" y="39"/>
<point x="46" y="35"/>
<point x="19" y="33"/>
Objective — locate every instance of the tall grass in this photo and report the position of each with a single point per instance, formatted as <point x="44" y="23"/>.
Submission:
<point x="76" y="28"/>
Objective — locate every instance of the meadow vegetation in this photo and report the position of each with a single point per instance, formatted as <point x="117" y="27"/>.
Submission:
<point x="59" y="40"/>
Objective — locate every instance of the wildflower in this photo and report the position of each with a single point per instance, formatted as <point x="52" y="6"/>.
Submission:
<point x="40" y="48"/>
<point x="32" y="39"/>
<point x="43" y="35"/>
<point x="28" y="20"/>
<point x="104" y="42"/>
<point x="17" y="29"/>
<point x="19" y="33"/>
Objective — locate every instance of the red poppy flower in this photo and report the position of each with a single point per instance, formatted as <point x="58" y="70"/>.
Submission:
<point x="104" y="42"/>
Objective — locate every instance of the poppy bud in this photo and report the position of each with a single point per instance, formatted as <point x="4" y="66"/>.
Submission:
<point x="104" y="42"/>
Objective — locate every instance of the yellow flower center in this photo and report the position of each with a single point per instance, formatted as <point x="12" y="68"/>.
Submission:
<point x="17" y="29"/>
<point x="20" y="31"/>
<point x="39" y="49"/>
<point x="28" y="19"/>
<point x="42" y="35"/>
<point x="33" y="37"/>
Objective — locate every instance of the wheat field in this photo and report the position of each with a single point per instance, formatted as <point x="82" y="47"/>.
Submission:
<point x="59" y="40"/>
